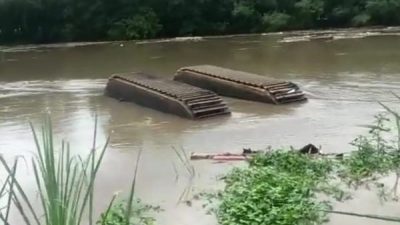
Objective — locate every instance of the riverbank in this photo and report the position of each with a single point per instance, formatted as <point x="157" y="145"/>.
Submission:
<point x="37" y="22"/>
<point x="286" y="36"/>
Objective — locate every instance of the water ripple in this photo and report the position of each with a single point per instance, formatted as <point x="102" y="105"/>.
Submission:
<point x="27" y="88"/>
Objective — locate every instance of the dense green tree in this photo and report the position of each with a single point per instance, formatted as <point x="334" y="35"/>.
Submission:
<point x="38" y="21"/>
<point x="386" y="12"/>
<point x="245" y="17"/>
<point x="143" y="24"/>
<point x="308" y="13"/>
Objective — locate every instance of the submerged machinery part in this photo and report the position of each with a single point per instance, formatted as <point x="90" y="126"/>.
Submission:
<point x="166" y="95"/>
<point x="240" y="84"/>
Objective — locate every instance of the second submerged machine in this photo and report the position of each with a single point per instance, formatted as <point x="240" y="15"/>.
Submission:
<point x="239" y="84"/>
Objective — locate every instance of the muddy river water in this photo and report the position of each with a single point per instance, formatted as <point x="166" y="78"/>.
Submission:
<point x="342" y="78"/>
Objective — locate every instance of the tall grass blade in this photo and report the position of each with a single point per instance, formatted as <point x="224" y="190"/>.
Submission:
<point x="20" y="190"/>
<point x="183" y="158"/>
<point x="91" y="181"/>
<point x="41" y="191"/>
<point x="3" y="189"/>
<point x="104" y="221"/>
<point x="128" y="212"/>
<point x="391" y="111"/>
<point x="2" y="218"/>
<point x="21" y="210"/>
<point x="396" y="95"/>
<point x="92" y="174"/>
<point x="65" y="183"/>
<point x="13" y="172"/>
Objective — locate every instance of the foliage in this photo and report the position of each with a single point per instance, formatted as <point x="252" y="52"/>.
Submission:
<point x="140" y="26"/>
<point x="264" y="196"/>
<point x="308" y="13"/>
<point x="245" y="17"/>
<point x="294" y="163"/>
<point x="372" y="157"/>
<point x="278" y="188"/>
<point x="377" y="154"/>
<point x="275" y="21"/>
<point x="384" y="11"/>
<point x="283" y="187"/>
<point x="140" y="214"/>
<point x="361" y="19"/>
<point x="65" y="185"/>
<point x="73" y="20"/>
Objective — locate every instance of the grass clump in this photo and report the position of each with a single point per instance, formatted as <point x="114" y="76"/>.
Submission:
<point x="65" y="185"/>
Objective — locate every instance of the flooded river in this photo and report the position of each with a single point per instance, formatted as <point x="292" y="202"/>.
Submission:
<point x="343" y="80"/>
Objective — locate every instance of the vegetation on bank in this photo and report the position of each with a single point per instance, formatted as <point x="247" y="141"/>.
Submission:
<point x="37" y="21"/>
<point x="287" y="187"/>
<point x="65" y="186"/>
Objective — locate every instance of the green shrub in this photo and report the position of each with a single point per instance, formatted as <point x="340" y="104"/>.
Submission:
<point x="361" y="19"/>
<point x="282" y="187"/>
<point x="264" y="195"/>
<point x="275" y="21"/>
<point x="295" y="163"/>
<point x="140" y="26"/>
<point x="140" y="214"/>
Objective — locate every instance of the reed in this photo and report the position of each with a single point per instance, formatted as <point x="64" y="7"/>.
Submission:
<point x="65" y="183"/>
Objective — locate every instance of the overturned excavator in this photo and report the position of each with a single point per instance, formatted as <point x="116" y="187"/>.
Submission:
<point x="240" y="84"/>
<point x="166" y="95"/>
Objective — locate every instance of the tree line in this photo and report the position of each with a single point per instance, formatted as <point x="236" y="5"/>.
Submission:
<point x="43" y="21"/>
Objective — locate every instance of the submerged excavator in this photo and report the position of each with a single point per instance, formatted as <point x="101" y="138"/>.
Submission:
<point x="194" y="91"/>
<point x="239" y="84"/>
<point x="166" y="95"/>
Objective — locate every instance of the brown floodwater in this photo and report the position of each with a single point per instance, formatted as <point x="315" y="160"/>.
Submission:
<point x="343" y="79"/>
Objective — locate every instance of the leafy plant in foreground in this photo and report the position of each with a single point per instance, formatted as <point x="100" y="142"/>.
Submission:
<point x="278" y="187"/>
<point x="281" y="187"/>
<point x="296" y="164"/>
<point x="265" y="195"/>
<point x="373" y="157"/>
<point x="140" y="214"/>
<point x="377" y="154"/>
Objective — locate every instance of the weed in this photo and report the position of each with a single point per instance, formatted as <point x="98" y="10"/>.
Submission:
<point x="283" y="187"/>
<point x="140" y="214"/>
<point x="267" y="195"/>
<point x="65" y="184"/>
<point x="296" y="164"/>
<point x="190" y="172"/>
<point x="373" y="157"/>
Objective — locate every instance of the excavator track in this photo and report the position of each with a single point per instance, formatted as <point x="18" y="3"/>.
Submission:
<point x="166" y="95"/>
<point x="240" y="84"/>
